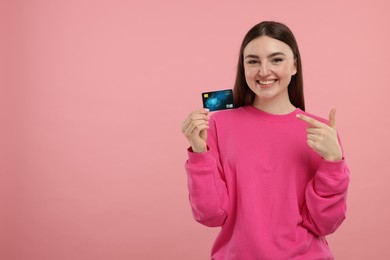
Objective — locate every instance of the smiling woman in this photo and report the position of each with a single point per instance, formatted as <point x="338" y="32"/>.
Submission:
<point x="269" y="65"/>
<point x="269" y="48"/>
<point x="271" y="175"/>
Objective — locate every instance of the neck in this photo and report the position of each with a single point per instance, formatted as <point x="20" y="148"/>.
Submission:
<point x="272" y="107"/>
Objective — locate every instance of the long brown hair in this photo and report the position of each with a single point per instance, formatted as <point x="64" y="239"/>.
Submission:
<point x="243" y="95"/>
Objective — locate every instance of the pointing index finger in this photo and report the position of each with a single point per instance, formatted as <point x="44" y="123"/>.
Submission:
<point x="309" y="120"/>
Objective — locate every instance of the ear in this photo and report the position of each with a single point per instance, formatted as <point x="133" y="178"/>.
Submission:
<point x="294" y="69"/>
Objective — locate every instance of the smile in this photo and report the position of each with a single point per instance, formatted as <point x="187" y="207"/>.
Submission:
<point x="266" y="83"/>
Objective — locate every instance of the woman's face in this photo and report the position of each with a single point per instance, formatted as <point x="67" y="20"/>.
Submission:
<point x="269" y="65"/>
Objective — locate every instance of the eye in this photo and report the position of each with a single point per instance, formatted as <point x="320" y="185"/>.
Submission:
<point x="277" y="60"/>
<point x="252" y="61"/>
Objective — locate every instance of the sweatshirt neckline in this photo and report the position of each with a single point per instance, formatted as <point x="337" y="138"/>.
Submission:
<point x="272" y="117"/>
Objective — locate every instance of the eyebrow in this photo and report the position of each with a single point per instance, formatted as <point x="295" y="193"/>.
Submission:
<point x="269" y="56"/>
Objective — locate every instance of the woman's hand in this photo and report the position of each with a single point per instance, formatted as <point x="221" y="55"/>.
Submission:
<point x="322" y="138"/>
<point x="195" y="129"/>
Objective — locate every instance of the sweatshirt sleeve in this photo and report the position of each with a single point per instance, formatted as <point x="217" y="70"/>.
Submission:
<point x="326" y="195"/>
<point x="208" y="194"/>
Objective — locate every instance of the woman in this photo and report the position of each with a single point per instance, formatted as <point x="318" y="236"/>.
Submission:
<point x="270" y="174"/>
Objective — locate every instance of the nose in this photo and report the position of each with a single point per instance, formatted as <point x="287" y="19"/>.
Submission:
<point x="264" y="70"/>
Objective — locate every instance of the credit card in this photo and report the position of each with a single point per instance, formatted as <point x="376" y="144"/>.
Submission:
<point x="218" y="100"/>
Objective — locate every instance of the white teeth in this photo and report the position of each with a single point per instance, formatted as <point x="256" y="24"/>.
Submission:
<point x="267" y="82"/>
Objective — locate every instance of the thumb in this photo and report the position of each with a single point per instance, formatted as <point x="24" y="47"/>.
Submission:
<point x="332" y="118"/>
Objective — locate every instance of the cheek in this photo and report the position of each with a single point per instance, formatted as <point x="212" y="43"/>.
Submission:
<point x="287" y="70"/>
<point x="250" y="78"/>
<point x="250" y="73"/>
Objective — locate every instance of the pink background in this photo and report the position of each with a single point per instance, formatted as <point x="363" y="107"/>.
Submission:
<point x="93" y="94"/>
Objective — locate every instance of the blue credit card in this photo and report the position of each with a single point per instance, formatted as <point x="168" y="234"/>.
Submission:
<point x="218" y="100"/>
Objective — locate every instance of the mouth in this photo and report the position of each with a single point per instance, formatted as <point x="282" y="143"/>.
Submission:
<point x="266" y="83"/>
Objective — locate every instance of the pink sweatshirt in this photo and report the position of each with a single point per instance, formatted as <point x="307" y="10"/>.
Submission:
<point x="271" y="194"/>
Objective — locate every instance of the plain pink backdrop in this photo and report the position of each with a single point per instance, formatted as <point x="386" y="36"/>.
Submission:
<point x="93" y="94"/>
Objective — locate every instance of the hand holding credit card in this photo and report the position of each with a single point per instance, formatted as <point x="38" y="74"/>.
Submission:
<point x="218" y="100"/>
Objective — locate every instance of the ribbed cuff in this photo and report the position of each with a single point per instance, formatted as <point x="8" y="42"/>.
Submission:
<point x="204" y="158"/>
<point x="337" y="169"/>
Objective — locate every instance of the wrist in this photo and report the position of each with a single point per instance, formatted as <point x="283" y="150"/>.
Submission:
<point x="333" y="158"/>
<point x="198" y="150"/>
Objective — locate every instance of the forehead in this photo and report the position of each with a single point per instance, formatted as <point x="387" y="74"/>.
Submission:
<point x="264" y="45"/>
